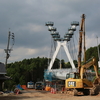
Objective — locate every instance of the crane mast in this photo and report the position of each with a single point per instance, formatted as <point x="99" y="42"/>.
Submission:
<point x="81" y="33"/>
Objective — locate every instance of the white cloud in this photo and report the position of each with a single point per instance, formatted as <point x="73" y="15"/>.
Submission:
<point x="91" y="41"/>
<point x="21" y="53"/>
<point x="31" y="52"/>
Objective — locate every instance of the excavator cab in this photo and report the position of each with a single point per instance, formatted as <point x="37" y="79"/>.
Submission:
<point x="72" y="75"/>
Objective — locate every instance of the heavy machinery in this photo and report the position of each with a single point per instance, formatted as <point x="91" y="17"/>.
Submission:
<point x="39" y="85"/>
<point x="30" y="85"/>
<point x="83" y="81"/>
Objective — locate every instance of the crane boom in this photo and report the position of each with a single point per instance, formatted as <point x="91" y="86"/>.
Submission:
<point x="81" y="32"/>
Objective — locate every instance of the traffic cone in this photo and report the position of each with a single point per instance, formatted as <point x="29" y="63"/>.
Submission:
<point x="63" y="89"/>
<point x="54" y="91"/>
<point x="51" y="90"/>
<point x="17" y="91"/>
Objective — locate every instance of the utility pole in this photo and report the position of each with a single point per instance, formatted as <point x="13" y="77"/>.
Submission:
<point x="8" y="50"/>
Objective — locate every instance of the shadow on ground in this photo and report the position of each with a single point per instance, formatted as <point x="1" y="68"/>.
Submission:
<point x="17" y="97"/>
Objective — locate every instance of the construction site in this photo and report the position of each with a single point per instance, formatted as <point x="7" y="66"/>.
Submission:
<point x="73" y="80"/>
<point x="77" y="82"/>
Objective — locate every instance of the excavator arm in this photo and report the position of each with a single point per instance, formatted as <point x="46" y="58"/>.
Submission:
<point x="87" y="65"/>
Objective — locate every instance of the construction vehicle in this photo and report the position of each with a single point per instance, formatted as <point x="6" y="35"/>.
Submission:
<point x="30" y="85"/>
<point x="81" y="82"/>
<point x="39" y="85"/>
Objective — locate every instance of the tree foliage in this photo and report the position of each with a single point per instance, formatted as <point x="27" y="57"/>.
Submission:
<point x="92" y="52"/>
<point x="27" y="70"/>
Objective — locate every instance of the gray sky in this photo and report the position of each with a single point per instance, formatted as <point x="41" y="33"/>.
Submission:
<point x="26" y="18"/>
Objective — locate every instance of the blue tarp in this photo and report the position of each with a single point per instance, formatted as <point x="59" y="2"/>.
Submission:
<point x="49" y="76"/>
<point x="19" y="87"/>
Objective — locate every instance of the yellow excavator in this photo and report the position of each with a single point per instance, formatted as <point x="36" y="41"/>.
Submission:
<point x="83" y="81"/>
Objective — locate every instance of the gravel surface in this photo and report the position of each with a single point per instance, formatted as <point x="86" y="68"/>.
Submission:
<point x="43" y="95"/>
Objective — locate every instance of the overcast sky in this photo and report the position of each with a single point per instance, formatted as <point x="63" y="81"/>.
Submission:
<point x="26" y="19"/>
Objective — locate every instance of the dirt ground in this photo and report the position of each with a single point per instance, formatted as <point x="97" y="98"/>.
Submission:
<point x="44" y="95"/>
